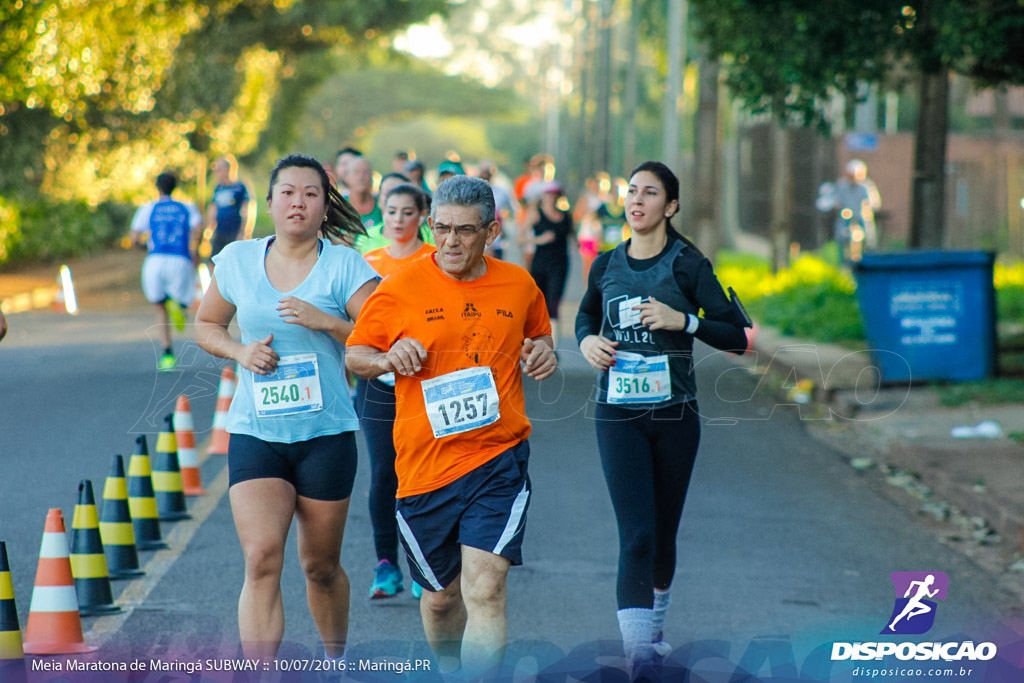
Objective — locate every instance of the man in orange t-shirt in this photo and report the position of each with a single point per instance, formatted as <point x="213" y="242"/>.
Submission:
<point x="454" y="327"/>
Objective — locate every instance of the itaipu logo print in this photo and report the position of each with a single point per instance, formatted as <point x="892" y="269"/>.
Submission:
<point x="914" y="610"/>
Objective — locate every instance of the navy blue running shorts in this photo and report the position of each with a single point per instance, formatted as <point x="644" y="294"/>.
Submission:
<point x="322" y="468"/>
<point x="483" y="509"/>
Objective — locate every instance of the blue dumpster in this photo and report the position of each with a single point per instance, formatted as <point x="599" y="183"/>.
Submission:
<point x="929" y="315"/>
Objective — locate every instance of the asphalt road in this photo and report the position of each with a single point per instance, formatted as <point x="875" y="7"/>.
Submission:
<point x="783" y="549"/>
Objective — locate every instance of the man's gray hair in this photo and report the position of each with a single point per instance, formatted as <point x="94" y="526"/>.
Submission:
<point x="462" y="190"/>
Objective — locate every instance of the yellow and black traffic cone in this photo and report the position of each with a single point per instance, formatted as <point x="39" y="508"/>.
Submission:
<point x="141" y="502"/>
<point x="12" y="654"/>
<point x="88" y="563"/>
<point x="167" y="483"/>
<point x="116" y="532"/>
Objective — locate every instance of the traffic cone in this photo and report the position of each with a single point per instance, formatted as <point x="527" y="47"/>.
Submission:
<point x="167" y="486"/>
<point x="225" y="392"/>
<point x="116" y="532"/>
<point x="88" y="563"/>
<point x="10" y="632"/>
<point x="54" y="627"/>
<point x="186" y="438"/>
<point x="141" y="501"/>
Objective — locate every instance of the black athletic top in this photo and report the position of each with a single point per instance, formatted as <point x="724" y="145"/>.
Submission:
<point x="690" y="287"/>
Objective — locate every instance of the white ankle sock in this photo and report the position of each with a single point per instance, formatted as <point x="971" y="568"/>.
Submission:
<point x="662" y="599"/>
<point x="635" y="626"/>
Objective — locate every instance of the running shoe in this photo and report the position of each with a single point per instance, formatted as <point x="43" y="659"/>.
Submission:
<point x="166" y="362"/>
<point x="417" y="590"/>
<point x="388" y="581"/>
<point x="175" y="313"/>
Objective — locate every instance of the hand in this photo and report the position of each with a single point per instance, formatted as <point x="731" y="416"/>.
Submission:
<point x="658" y="316"/>
<point x="405" y="357"/>
<point x="546" y="237"/>
<point x="295" y="311"/>
<point x="259" y="357"/>
<point x="598" y="351"/>
<point x="539" y="359"/>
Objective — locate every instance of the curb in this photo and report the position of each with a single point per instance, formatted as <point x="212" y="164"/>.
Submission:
<point x="952" y="469"/>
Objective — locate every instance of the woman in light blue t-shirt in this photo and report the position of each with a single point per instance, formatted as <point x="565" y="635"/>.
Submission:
<point x="292" y="451"/>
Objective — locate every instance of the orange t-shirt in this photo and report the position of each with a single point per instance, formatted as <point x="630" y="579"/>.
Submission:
<point x="385" y="264"/>
<point x="482" y="322"/>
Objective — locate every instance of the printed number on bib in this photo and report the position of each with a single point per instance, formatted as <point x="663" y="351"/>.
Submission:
<point x="639" y="379"/>
<point x="461" y="401"/>
<point x="293" y="388"/>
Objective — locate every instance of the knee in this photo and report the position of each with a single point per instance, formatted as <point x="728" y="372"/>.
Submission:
<point x="638" y="546"/>
<point x="485" y="589"/>
<point x="442" y="604"/>
<point x="322" y="571"/>
<point x="264" y="561"/>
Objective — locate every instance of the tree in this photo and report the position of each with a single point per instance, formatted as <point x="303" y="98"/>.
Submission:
<point x="95" y="98"/>
<point x="790" y="56"/>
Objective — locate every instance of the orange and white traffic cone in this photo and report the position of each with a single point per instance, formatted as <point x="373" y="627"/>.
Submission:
<point x="54" y="626"/>
<point x="225" y="392"/>
<point x="188" y="461"/>
<point x="167" y="486"/>
<point x="12" y="655"/>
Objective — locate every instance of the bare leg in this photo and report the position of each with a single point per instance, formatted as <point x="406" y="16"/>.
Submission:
<point x="321" y="530"/>
<point x="444" y="621"/>
<point x="483" y="590"/>
<point x="164" y="323"/>
<point x="263" y="510"/>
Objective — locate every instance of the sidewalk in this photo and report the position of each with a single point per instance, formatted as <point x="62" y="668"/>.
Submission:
<point x="38" y="287"/>
<point x="905" y="433"/>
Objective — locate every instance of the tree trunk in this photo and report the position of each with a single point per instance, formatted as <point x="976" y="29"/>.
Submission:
<point x="706" y="154"/>
<point x="677" y="14"/>
<point x="630" y="94"/>
<point x="928" y="214"/>
<point x="782" y="197"/>
<point x="603" y="143"/>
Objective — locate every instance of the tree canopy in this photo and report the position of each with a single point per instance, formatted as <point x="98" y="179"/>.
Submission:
<point x="96" y="98"/>
<point x="790" y="56"/>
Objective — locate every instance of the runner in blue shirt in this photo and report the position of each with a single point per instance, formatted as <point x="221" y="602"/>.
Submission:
<point x="229" y="208"/>
<point x="171" y="230"/>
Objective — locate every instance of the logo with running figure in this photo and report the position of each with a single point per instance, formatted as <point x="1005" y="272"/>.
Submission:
<point x="916" y="592"/>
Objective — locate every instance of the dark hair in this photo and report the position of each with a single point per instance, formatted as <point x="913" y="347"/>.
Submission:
<point x="165" y="183"/>
<point x="342" y="218"/>
<point x="394" y="174"/>
<point x="666" y="177"/>
<point x="409" y="190"/>
<point x="348" y="150"/>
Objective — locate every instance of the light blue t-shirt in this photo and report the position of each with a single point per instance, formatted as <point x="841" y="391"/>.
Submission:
<point x="242" y="281"/>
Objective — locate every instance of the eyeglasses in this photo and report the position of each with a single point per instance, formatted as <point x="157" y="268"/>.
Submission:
<point x="442" y="230"/>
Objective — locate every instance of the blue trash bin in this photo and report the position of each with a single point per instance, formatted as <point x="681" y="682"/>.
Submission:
<point x="929" y="315"/>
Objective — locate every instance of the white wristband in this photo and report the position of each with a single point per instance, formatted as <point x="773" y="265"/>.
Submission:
<point x="693" y="322"/>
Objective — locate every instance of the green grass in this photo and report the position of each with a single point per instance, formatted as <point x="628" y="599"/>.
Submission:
<point x="987" y="392"/>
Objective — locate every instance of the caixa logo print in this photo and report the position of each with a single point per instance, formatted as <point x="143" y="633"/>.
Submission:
<point x="916" y="593"/>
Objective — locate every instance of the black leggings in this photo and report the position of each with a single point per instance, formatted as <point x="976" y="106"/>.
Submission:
<point x="375" y="406"/>
<point x="647" y="458"/>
